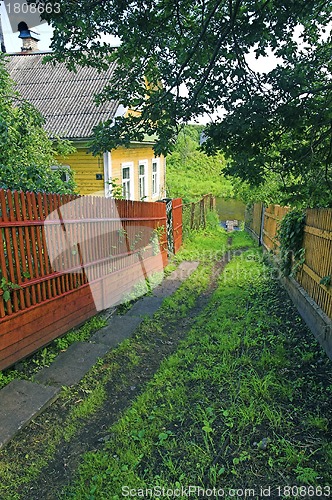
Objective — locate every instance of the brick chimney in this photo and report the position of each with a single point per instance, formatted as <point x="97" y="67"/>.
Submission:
<point x="30" y="42"/>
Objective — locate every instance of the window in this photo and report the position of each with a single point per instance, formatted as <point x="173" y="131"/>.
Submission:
<point x="127" y="181"/>
<point x="141" y="181"/>
<point x="108" y="174"/>
<point x="142" y="184"/>
<point x="155" y="177"/>
<point x="64" y="176"/>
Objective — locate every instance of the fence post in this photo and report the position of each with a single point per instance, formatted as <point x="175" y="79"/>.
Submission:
<point x="177" y="223"/>
<point x="261" y="229"/>
<point x="212" y="202"/>
<point x="202" y="212"/>
<point x="192" y="215"/>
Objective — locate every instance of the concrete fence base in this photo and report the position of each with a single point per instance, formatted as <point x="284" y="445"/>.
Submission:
<point x="318" y="322"/>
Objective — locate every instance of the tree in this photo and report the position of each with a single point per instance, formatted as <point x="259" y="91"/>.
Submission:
<point x="191" y="173"/>
<point x="26" y="152"/>
<point x="194" y="56"/>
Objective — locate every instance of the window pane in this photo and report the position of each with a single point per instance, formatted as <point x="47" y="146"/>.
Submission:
<point x="126" y="173"/>
<point x="126" y="189"/>
<point x="141" y="188"/>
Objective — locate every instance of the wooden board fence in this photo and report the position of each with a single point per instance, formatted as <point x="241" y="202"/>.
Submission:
<point x="272" y="216"/>
<point x="317" y="243"/>
<point x="194" y="214"/>
<point x="62" y="255"/>
<point x="253" y="219"/>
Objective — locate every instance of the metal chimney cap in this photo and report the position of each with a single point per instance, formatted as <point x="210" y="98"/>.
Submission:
<point x="25" y="32"/>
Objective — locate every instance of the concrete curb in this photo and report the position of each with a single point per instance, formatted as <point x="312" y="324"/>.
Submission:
<point x="317" y="321"/>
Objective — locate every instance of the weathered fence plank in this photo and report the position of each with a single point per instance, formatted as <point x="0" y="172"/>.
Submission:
<point x="194" y="213"/>
<point x="317" y="243"/>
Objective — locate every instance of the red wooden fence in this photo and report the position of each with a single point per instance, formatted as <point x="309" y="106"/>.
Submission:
<point x="62" y="258"/>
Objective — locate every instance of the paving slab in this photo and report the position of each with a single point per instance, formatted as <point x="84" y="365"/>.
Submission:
<point x="145" y="307"/>
<point x="175" y="279"/>
<point x="71" y="366"/>
<point x="118" y="329"/>
<point x="167" y="288"/>
<point x="183" y="271"/>
<point x="20" y="402"/>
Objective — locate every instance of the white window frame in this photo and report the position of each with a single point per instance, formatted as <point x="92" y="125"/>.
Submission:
<point x="143" y="179"/>
<point x="108" y="173"/>
<point x="130" y="181"/>
<point x="155" y="177"/>
<point x="54" y="168"/>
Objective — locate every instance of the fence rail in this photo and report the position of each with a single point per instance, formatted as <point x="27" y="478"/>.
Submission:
<point x="62" y="255"/>
<point x="317" y="243"/>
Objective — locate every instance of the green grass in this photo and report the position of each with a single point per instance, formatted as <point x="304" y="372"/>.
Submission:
<point x="227" y="408"/>
<point x="18" y="468"/>
<point x="241" y="239"/>
<point x="244" y="401"/>
<point x="205" y="245"/>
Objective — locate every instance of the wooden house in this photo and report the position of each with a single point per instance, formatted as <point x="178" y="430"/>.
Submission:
<point x="66" y="101"/>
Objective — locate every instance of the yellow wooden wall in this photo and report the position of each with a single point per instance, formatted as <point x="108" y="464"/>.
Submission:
<point x="136" y="153"/>
<point x="86" y="166"/>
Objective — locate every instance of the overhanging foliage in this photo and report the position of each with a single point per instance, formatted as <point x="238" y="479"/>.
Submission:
<point x="195" y="57"/>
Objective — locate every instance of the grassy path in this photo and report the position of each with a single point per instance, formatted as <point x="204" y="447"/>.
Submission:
<point x="224" y="390"/>
<point x="43" y="457"/>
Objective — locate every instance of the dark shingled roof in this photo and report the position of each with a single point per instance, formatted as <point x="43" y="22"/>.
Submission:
<point x="64" y="98"/>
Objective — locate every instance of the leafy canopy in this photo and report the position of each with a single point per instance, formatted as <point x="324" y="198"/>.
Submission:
<point x="26" y="152"/>
<point x="194" y="56"/>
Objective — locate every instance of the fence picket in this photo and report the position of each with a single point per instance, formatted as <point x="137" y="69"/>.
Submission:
<point x="12" y="303"/>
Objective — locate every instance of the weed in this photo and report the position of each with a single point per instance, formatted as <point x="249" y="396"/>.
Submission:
<point x="319" y="422"/>
<point x="9" y="375"/>
<point x="305" y="475"/>
<point x="7" y="287"/>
